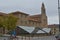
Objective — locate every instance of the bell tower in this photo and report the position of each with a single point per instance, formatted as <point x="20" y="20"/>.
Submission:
<point x="43" y="16"/>
<point x="43" y="11"/>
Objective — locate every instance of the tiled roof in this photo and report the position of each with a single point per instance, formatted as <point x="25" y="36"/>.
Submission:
<point x="18" y="12"/>
<point x="34" y="18"/>
<point x="2" y="14"/>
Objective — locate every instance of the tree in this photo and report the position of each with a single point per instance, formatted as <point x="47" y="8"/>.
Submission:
<point x="9" y="22"/>
<point x="1" y="20"/>
<point x="0" y="23"/>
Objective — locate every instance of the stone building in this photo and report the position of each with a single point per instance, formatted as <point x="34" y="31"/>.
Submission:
<point x="39" y="20"/>
<point x="54" y="28"/>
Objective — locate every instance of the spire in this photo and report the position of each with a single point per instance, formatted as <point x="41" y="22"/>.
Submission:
<point x="43" y="9"/>
<point x="43" y="5"/>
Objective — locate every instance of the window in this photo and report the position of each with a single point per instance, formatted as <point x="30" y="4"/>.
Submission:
<point x="25" y="22"/>
<point x="25" y="16"/>
<point x="21" y="15"/>
<point x="21" y="22"/>
<point x="44" y="20"/>
<point x="33" y="23"/>
<point x="29" y="22"/>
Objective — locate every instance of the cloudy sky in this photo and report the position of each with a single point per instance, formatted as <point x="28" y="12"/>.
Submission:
<point x="32" y="7"/>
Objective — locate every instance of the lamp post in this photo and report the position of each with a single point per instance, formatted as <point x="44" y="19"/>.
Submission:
<point x="59" y="13"/>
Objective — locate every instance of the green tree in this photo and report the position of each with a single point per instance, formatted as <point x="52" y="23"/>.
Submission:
<point x="1" y="24"/>
<point x="1" y="20"/>
<point x="8" y="22"/>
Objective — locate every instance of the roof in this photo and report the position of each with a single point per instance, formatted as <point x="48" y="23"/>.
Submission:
<point x="38" y="15"/>
<point x="18" y="12"/>
<point x="40" y="31"/>
<point x="34" y="30"/>
<point x="34" y="17"/>
<point x="53" y="25"/>
<point x="47" y="29"/>
<point x="2" y="14"/>
<point x="28" y="29"/>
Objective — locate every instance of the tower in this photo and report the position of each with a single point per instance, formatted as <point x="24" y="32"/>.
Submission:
<point x="43" y="16"/>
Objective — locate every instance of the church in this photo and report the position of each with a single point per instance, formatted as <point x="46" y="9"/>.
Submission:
<point x="39" y="20"/>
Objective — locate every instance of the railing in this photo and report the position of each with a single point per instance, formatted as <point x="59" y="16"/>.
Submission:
<point x="36" y="38"/>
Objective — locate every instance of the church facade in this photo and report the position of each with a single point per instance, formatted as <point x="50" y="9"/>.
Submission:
<point x="39" y="20"/>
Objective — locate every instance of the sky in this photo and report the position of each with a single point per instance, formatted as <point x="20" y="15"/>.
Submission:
<point x="32" y="7"/>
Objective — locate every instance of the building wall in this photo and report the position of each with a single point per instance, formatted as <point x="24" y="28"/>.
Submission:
<point x="54" y="29"/>
<point x="22" y="21"/>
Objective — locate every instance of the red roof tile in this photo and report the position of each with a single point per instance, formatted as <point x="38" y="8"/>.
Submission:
<point x="34" y="17"/>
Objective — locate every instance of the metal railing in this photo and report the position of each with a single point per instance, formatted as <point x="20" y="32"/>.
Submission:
<point x="36" y="38"/>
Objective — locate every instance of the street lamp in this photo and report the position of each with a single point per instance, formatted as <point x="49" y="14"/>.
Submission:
<point x="59" y="13"/>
